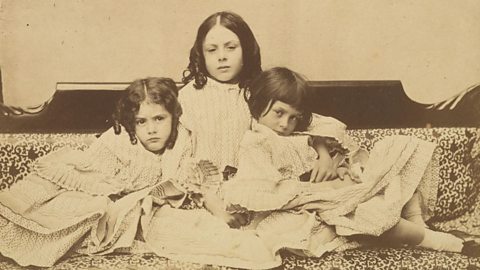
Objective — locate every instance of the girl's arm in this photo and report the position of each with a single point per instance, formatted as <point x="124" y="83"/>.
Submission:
<point x="216" y="206"/>
<point x="210" y="181"/>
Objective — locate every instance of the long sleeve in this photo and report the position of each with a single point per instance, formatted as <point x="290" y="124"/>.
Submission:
<point x="109" y="166"/>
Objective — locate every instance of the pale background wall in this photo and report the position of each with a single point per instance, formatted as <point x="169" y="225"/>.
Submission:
<point x="432" y="46"/>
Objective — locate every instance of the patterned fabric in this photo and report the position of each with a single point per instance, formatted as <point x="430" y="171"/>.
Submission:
<point x="383" y="258"/>
<point x="18" y="151"/>
<point x="68" y="193"/>
<point x="146" y="261"/>
<point x="457" y="204"/>
<point x="221" y="107"/>
<point x="371" y="258"/>
<point x="458" y="189"/>
<point x="468" y="222"/>
<point x="99" y="200"/>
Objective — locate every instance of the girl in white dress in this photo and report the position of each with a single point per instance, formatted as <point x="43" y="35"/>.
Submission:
<point x="124" y="192"/>
<point x="367" y="199"/>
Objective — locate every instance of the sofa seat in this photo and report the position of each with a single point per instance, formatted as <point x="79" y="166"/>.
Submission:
<point x="457" y="205"/>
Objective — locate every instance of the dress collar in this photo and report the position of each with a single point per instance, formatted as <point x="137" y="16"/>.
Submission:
<point x="260" y="128"/>
<point x="213" y="84"/>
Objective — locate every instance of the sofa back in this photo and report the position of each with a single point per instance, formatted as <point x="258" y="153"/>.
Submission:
<point x="360" y="104"/>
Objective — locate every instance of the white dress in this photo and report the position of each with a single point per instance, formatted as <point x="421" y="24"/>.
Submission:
<point x="218" y="116"/>
<point x="306" y="216"/>
<point x="95" y="201"/>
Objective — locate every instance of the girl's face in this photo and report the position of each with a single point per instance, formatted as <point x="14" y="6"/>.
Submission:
<point x="223" y="54"/>
<point x="153" y="125"/>
<point x="281" y="118"/>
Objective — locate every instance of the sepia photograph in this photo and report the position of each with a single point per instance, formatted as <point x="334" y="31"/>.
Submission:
<point x="274" y="134"/>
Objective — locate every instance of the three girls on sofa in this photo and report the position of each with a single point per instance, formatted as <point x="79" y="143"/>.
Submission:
<point x="138" y="181"/>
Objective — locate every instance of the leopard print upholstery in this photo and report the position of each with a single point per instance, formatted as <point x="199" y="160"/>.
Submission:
<point x="383" y="258"/>
<point x="18" y="151"/>
<point x="363" y="258"/>
<point x="144" y="261"/>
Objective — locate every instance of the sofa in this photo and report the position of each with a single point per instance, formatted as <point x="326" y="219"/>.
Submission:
<point x="372" y="110"/>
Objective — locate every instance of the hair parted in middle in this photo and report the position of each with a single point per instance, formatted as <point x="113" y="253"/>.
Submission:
<point x="197" y="70"/>
<point x="162" y="91"/>
<point x="282" y="84"/>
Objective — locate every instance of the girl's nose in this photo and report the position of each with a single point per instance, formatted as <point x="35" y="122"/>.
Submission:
<point x="151" y="128"/>
<point x="284" y="122"/>
<point x="222" y="56"/>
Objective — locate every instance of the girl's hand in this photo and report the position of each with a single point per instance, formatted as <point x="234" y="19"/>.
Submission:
<point x="217" y="208"/>
<point x="323" y="170"/>
<point x="343" y="171"/>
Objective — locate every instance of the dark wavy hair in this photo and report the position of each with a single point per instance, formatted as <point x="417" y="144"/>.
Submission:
<point x="280" y="84"/>
<point x="161" y="91"/>
<point x="197" y="70"/>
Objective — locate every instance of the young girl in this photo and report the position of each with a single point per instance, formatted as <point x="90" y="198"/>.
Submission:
<point x="95" y="201"/>
<point x="311" y="216"/>
<point x="70" y="192"/>
<point x="223" y="59"/>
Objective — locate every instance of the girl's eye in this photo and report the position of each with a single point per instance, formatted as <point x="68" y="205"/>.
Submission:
<point x="140" y="122"/>
<point x="159" y="118"/>
<point x="231" y="48"/>
<point x="211" y="50"/>
<point x="296" y="118"/>
<point x="278" y="113"/>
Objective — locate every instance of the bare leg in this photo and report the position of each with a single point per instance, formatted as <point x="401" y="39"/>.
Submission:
<point x="412" y="210"/>
<point x="405" y="232"/>
<point x="410" y="233"/>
